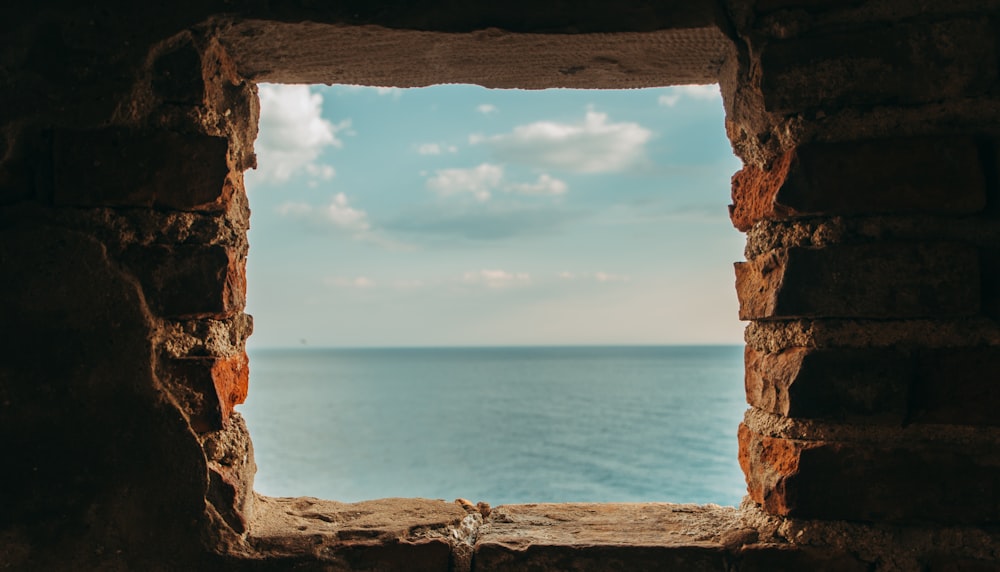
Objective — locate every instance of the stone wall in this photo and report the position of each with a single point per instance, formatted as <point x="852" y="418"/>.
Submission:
<point x="870" y="135"/>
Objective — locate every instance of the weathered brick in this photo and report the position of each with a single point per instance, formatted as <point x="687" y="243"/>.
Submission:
<point x="838" y="384"/>
<point x="190" y="280"/>
<point x="990" y="264"/>
<point x="141" y="168"/>
<point x="207" y="388"/>
<point x="177" y="77"/>
<point x="938" y="175"/>
<point x="589" y="536"/>
<point x="764" y="6"/>
<point x="858" y="481"/>
<point x="901" y="63"/>
<point x="775" y="557"/>
<point x="875" y="280"/>
<point x="957" y="386"/>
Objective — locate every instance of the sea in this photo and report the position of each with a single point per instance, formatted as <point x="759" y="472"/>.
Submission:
<point x="501" y="425"/>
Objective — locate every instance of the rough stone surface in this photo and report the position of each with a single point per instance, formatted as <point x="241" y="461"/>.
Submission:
<point x="906" y="481"/>
<point x="870" y="385"/>
<point x="124" y="131"/>
<point x="140" y="168"/>
<point x="324" y="53"/>
<point x="582" y="536"/>
<point x="902" y="63"/>
<point x="860" y="281"/>
<point x="386" y="534"/>
<point x="929" y="174"/>
<point x="191" y="281"/>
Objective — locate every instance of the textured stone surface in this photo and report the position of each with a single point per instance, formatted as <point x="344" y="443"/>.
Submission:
<point x="957" y="386"/>
<point x="126" y="265"/>
<point x="901" y="63"/>
<point x="869" y="385"/>
<point x="385" y="534"/>
<point x="591" y="536"/>
<point x="322" y="53"/>
<point x="140" y="168"/>
<point x="911" y="482"/>
<point x="930" y="174"/>
<point x="860" y="281"/>
<point x="191" y="281"/>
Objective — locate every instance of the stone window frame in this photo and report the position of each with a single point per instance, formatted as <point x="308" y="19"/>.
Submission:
<point x="641" y="534"/>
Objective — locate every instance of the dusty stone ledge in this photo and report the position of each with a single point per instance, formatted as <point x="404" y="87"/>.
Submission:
<point x="383" y="534"/>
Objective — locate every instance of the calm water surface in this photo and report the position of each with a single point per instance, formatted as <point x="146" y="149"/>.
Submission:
<point x="504" y="425"/>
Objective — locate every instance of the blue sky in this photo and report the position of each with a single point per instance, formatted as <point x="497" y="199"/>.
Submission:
<point x="456" y="215"/>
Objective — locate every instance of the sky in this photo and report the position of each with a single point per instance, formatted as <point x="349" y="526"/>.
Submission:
<point x="456" y="215"/>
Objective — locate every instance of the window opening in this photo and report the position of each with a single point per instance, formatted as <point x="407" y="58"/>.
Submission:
<point x="501" y="295"/>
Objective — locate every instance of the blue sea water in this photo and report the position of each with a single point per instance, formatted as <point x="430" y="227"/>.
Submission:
<point x="503" y="425"/>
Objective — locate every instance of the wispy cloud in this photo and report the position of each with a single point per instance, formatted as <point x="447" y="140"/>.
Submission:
<point x="482" y="221"/>
<point x="496" y="278"/>
<point x="486" y="108"/>
<point x="359" y="282"/>
<point x="483" y="180"/>
<point x="595" y="276"/>
<point x="478" y="181"/>
<point x="293" y="133"/>
<point x="435" y="149"/>
<point x="673" y="95"/>
<point x="545" y="185"/>
<point x="338" y="213"/>
<point x="594" y="145"/>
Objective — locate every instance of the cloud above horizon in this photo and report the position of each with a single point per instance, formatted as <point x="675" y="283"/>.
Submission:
<point x="594" y="145"/>
<point x="700" y="92"/>
<point x="338" y="213"/>
<point x="496" y="278"/>
<point x="484" y="179"/>
<point x="293" y="133"/>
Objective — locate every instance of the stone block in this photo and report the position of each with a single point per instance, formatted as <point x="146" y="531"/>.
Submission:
<point x="869" y="385"/>
<point x="207" y="388"/>
<point x="886" y="64"/>
<point x="117" y="167"/>
<point x="957" y="386"/>
<point x="936" y="175"/>
<point x="386" y="534"/>
<point x="990" y="264"/>
<point x="603" y="536"/>
<point x="765" y="6"/>
<point x="918" y="482"/>
<point x="190" y="280"/>
<point x="782" y="557"/>
<point x="873" y="280"/>
<point x="177" y="77"/>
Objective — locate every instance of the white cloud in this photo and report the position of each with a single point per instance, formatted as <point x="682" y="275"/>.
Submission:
<point x="701" y="92"/>
<point x="293" y="133"/>
<point x="325" y="172"/>
<point x="479" y="181"/>
<point x="360" y="282"/>
<point x="395" y="92"/>
<point x="486" y="108"/>
<point x="595" y="145"/>
<point x="339" y="213"/>
<point x="567" y="275"/>
<point x="294" y="209"/>
<point x="496" y="278"/>
<point x="435" y="149"/>
<point x="545" y="185"/>
<point x="605" y="277"/>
